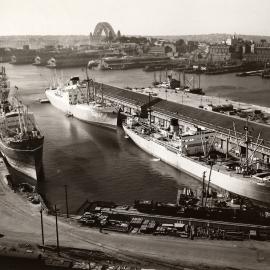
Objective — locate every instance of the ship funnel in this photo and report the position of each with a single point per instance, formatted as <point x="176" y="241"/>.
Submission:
<point x="174" y="126"/>
<point x="74" y="80"/>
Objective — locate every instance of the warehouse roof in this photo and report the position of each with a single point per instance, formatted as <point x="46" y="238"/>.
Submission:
<point x="218" y="121"/>
<point x="122" y="94"/>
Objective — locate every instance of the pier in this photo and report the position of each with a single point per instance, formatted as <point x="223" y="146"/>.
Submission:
<point x="228" y="129"/>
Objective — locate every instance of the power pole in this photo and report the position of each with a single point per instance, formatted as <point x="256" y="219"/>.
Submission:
<point x="56" y="226"/>
<point x="150" y="110"/>
<point x="42" y="229"/>
<point x="247" y="144"/>
<point x="207" y="190"/>
<point x="66" y="195"/>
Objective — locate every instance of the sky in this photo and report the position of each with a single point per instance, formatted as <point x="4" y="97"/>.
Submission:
<point x="135" y="17"/>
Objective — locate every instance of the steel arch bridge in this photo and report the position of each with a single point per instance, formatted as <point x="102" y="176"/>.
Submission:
<point x="103" y="26"/>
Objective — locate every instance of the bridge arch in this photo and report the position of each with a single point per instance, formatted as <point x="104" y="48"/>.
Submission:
<point x="103" y="27"/>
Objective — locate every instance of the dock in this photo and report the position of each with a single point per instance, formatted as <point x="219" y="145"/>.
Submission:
<point x="228" y="128"/>
<point x="128" y="219"/>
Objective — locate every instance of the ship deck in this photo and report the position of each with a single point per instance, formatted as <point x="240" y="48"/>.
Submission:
<point x="218" y="166"/>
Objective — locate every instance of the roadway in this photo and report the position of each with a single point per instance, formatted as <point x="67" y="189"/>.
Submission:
<point x="20" y="221"/>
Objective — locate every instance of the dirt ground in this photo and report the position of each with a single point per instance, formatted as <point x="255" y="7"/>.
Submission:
<point x="20" y="222"/>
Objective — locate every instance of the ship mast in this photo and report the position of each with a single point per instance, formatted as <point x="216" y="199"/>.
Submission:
<point x="247" y="144"/>
<point x="24" y="123"/>
<point x="150" y="110"/>
<point x="21" y="113"/>
<point x="88" y="84"/>
<point x="203" y="180"/>
<point x="94" y="90"/>
<point x="101" y="93"/>
<point x="20" y="120"/>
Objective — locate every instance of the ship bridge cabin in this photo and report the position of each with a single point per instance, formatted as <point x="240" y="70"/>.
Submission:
<point x="193" y="139"/>
<point x="198" y="142"/>
<point x="74" y="91"/>
<point x="16" y="123"/>
<point x="189" y="139"/>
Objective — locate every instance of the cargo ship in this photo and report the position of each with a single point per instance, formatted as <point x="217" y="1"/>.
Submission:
<point x="80" y="100"/>
<point x="129" y="62"/>
<point x="189" y="149"/>
<point x="5" y="55"/>
<point x="22" y="56"/>
<point x="21" y="142"/>
<point x="70" y="58"/>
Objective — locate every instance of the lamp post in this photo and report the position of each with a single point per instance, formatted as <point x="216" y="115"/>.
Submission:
<point x="56" y="227"/>
<point x="42" y="229"/>
<point x="66" y="197"/>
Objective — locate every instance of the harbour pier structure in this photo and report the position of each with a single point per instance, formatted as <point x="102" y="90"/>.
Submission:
<point x="230" y="131"/>
<point x="247" y="142"/>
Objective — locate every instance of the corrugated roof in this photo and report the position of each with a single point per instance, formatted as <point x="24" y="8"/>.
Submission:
<point x="210" y="119"/>
<point x="122" y="94"/>
<point x="217" y="121"/>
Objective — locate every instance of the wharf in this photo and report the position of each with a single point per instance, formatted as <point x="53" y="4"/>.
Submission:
<point x="133" y="219"/>
<point x="191" y="221"/>
<point x="131" y="101"/>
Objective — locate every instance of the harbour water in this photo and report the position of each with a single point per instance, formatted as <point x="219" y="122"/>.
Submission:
<point x="99" y="164"/>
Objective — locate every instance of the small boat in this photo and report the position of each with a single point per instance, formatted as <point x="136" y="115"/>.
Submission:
<point x="69" y="114"/>
<point x="44" y="100"/>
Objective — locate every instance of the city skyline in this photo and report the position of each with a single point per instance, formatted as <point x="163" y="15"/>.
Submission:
<point x="135" y="18"/>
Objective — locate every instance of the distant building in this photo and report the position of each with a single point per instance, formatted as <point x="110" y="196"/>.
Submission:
<point x="156" y="50"/>
<point x="219" y="53"/>
<point x="192" y="45"/>
<point x="257" y="52"/>
<point x="130" y="48"/>
<point x="229" y="41"/>
<point x="26" y="47"/>
<point x="159" y="42"/>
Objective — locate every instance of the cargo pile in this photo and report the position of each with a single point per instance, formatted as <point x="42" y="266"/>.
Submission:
<point x="125" y="219"/>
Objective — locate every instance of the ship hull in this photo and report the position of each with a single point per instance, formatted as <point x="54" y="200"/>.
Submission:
<point x="243" y="187"/>
<point x="86" y="112"/>
<point x="25" y="161"/>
